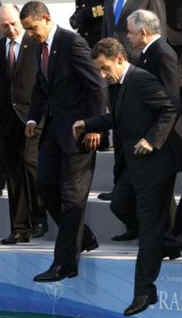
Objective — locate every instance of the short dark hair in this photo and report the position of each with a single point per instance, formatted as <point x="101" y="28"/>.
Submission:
<point x="110" y="48"/>
<point x="35" y="9"/>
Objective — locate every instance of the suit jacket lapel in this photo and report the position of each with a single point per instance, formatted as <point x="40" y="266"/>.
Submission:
<point x="53" y="54"/>
<point x="119" y="102"/>
<point x="24" y="45"/>
<point x="109" y="13"/>
<point x="119" y="107"/>
<point x="145" y="58"/>
<point x="3" y="48"/>
<point x="129" y="7"/>
<point x="124" y="13"/>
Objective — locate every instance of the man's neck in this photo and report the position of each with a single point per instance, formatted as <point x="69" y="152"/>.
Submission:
<point x="50" y="28"/>
<point x="150" y="40"/>
<point x="125" y="67"/>
<point x="18" y="37"/>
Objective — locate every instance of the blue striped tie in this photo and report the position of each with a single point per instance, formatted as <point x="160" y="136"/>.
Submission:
<point x="118" y="10"/>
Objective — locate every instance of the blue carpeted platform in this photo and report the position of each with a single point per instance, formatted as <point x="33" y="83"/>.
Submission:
<point x="102" y="290"/>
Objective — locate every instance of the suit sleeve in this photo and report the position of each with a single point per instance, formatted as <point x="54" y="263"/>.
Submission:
<point x="99" y="123"/>
<point x="168" y="73"/>
<point x="87" y="73"/>
<point x="164" y="112"/>
<point x="38" y="100"/>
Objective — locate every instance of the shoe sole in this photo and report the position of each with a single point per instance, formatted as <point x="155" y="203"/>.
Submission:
<point x="91" y="247"/>
<point x="70" y="275"/>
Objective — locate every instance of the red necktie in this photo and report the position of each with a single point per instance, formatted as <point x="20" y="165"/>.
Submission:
<point x="45" y="58"/>
<point x="11" y="55"/>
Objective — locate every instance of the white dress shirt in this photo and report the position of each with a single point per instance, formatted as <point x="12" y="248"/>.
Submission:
<point x="51" y="37"/>
<point x="17" y="44"/>
<point x="124" y="74"/>
<point x="158" y="36"/>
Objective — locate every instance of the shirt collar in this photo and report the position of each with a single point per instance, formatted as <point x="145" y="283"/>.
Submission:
<point x="158" y="36"/>
<point x="18" y="40"/>
<point x="51" y="35"/>
<point x="124" y="74"/>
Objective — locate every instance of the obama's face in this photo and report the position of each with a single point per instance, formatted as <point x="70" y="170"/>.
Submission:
<point x="36" y="28"/>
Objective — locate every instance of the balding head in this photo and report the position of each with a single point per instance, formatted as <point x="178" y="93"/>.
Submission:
<point x="10" y="24"/>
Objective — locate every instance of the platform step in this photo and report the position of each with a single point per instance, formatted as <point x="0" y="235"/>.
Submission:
<point x="103" y="289"/>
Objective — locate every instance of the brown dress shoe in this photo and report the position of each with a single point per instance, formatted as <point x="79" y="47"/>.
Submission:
<point x="16" y="238"/>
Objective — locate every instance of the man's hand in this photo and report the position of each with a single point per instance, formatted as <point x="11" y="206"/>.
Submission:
<point x="78" y="128"/>
<point x="30" y="129"/>
<point x="143" y="147"/>
<point x="91" y="141"/>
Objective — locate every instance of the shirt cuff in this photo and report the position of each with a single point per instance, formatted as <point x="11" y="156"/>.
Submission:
<point x="31" y="122"/>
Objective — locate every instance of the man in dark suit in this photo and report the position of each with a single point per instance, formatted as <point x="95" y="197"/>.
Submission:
<point x="68" y="87"/>
<point x="174" y="30"/>
<point x="115" y="17"/>
<point x="143" y="118"/>
<point x="18" y="68"/>
<point x="160" y="59"/>
<point x="174" y="36"/>
<point x="2" y="173"/>
<point x="115" y="25"/>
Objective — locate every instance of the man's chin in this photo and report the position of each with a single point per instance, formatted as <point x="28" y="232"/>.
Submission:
<point x="111" y="81"/>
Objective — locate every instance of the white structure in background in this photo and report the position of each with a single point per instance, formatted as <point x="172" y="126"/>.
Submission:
<point x="60" y="10"/>
<point x="61" y="13"/>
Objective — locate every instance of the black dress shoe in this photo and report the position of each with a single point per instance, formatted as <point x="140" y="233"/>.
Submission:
<point x="89" y="241"/>
<point x="171" y="253"/>
<point x="16" y="238"/>
<point x="105" y="196"/>
<point x="90" y="246"/>
<point x="129" y="235"/>
<point x="140" y="303"/>
<point x="56" y="273"/>
<point x="39" y="230"/>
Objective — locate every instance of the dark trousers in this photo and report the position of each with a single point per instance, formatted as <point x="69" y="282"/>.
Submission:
<point x="2" y="180"/>
<point x="152" y="207"/>
<point x="21" y="161"/>
<point x="123" y="203"/>
<point x="64" y="181"/>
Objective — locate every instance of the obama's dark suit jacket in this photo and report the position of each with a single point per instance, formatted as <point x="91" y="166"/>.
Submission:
<point x="72" y="90"/>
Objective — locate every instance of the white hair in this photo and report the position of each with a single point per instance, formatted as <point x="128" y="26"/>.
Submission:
<point x="146" y="19"/>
